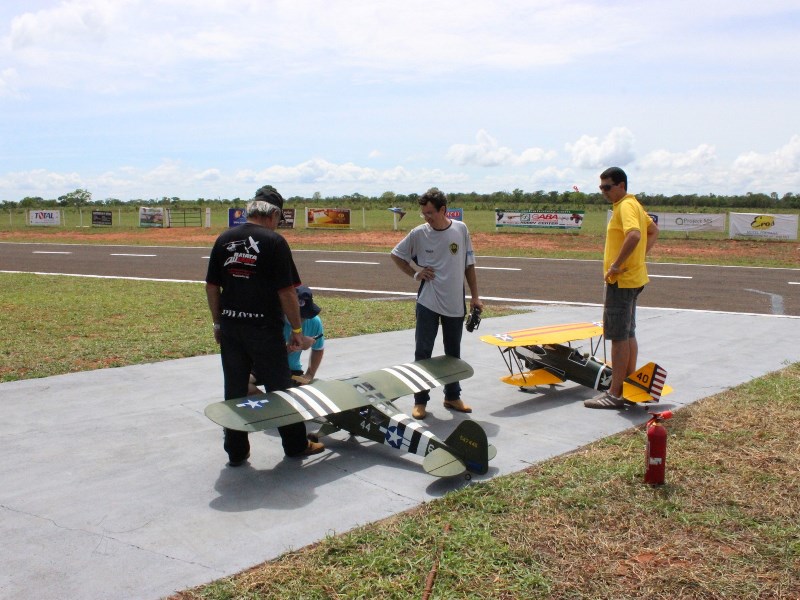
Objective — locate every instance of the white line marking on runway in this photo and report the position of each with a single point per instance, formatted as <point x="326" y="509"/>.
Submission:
<point x="104" y="277"/>
<point x="499" y="268"/>
<point x="414" y="294"/>
<point x="793" y="282"/>
<point x="48" y="252"/>
<point x="672" y="276"/>
<point x="135" y="255"/>
<point x="348" y="262"/>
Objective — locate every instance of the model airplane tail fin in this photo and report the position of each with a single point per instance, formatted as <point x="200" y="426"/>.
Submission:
<point x="466" y="449"/>
<point x="647" y="384"/>
<point x="468" y="441"/>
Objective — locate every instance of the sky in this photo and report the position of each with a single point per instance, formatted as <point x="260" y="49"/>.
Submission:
<point x="141" y="99"/>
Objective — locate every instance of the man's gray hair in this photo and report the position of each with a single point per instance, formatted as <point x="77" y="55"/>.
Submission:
<point x="258" y="208"/>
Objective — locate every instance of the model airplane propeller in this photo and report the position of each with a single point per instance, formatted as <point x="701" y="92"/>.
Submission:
<point x="544" y="356"/>
<point x="362" y="405"/>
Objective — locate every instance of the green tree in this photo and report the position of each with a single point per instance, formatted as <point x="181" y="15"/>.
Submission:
<point x="77" y="198"/>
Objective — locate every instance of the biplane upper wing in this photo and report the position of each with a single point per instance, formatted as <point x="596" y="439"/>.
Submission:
<point x="550" y="334"/>
<point x="322" y="398"/>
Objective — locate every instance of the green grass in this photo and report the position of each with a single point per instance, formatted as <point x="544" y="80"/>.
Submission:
<point x="55" y="324"/>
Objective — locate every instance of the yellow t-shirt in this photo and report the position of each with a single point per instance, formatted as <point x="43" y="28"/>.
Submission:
<point x="627" y="214"/>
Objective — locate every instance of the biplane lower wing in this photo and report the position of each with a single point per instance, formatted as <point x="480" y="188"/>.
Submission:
<point x="532" y="378"/>
<point x="321" y="399"/>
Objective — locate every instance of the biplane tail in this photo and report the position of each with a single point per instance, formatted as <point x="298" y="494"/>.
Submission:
<point x="647" y="384"/>
<point x="466" y="449"/>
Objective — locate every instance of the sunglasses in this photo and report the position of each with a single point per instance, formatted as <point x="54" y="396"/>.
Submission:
<point x="607" y="186"/>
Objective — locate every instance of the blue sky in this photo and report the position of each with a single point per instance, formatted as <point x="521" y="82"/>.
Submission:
<point x="214" y="98"/>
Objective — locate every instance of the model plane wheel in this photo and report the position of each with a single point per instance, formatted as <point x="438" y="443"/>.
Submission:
<point x="468" y="476"/>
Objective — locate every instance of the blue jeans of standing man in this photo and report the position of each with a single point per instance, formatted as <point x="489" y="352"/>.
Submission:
<point x="425" y="336"/>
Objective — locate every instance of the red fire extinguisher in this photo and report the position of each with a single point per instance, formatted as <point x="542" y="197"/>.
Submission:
<point x="656" y="451"/>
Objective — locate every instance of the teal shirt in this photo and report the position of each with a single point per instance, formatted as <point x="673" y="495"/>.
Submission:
<point x="311" y="328"/>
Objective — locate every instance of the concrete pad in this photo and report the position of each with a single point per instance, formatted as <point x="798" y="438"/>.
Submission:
<point x="114" y="483"/>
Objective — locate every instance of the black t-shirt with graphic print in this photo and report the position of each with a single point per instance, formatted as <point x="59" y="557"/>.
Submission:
<point x="251" y="263"/>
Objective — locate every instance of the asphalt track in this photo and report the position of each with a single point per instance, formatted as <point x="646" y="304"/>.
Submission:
<point x="114" y="484"/>
<point x="523" y="280"/>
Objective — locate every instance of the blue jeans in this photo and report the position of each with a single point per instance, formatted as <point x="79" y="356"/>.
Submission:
<point x="425" y="336"/>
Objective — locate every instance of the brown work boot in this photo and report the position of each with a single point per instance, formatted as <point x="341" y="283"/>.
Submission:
<point x="312" y="448"/>
<point x="418" y="412"/>
<point x="457" y="405"/>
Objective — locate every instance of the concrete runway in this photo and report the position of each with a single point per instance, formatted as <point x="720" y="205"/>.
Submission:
<point x="115" y="485"/>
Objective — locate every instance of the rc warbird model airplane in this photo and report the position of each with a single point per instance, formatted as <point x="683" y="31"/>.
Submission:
<point x="539" y="356"/>
<point x="362" y="406"/>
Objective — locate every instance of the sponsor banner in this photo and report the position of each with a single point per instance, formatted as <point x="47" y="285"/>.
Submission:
<point x="45" y="217"/>
<point x="102" y="218"/>
<point x="689" y="221"/>
<point x="151" y="217"/>
<point x="328" y="218"/>
<point x="236" y="217"/>
<point x="547" y="219"/>
<point x="287" y="222"/>
<point x="763" y="225"/>
<point x="455" y="213"/>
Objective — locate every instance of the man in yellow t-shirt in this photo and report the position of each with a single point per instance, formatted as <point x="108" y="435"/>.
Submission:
<point x="630" y="235"/>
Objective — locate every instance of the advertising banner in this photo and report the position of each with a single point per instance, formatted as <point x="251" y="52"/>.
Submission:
<point x="690" y="221"/>
<point x="328" y="218"/>
<point x="287" y="222"/>
<point x="102" y="218"/>
<point x="762" y="225"/>
<point x="457" y="214"/>
<point x="45" y="217"/>
<point x="151" y="217"/>
<point x="236" y="216"/>
<point x="542" y="219"/>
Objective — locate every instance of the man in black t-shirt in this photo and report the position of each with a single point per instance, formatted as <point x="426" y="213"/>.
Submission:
<point x="250" y="286"/>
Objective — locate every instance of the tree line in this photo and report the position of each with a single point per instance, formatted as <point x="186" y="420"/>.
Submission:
<point x="568" y="200"/>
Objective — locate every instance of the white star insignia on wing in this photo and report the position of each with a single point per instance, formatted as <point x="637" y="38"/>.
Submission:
<point x="252" y="403"/>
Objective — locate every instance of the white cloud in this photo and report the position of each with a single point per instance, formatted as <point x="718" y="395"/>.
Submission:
<point x="701" y="157"/>
<point x="784" y="159"/>
<point x="489" y="153"/>
<point x="616" y="149"/>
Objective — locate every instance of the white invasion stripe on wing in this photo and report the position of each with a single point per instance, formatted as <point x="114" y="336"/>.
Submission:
<point x="430" y="379"/>
<point x="411" y="374"/>
<point x="330" y="404"/>
<point x="413" y="385"/>
<point x="308" y="400"/>
<point x="295" y="404"/>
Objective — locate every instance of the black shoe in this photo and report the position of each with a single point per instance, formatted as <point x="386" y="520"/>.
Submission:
<point x="238" y="462"/>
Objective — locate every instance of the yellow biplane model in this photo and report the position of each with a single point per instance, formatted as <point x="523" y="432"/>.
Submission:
<point x="545" y="356"/>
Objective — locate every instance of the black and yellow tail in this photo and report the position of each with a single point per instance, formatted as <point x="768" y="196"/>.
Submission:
<point x="647" y="384"/>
